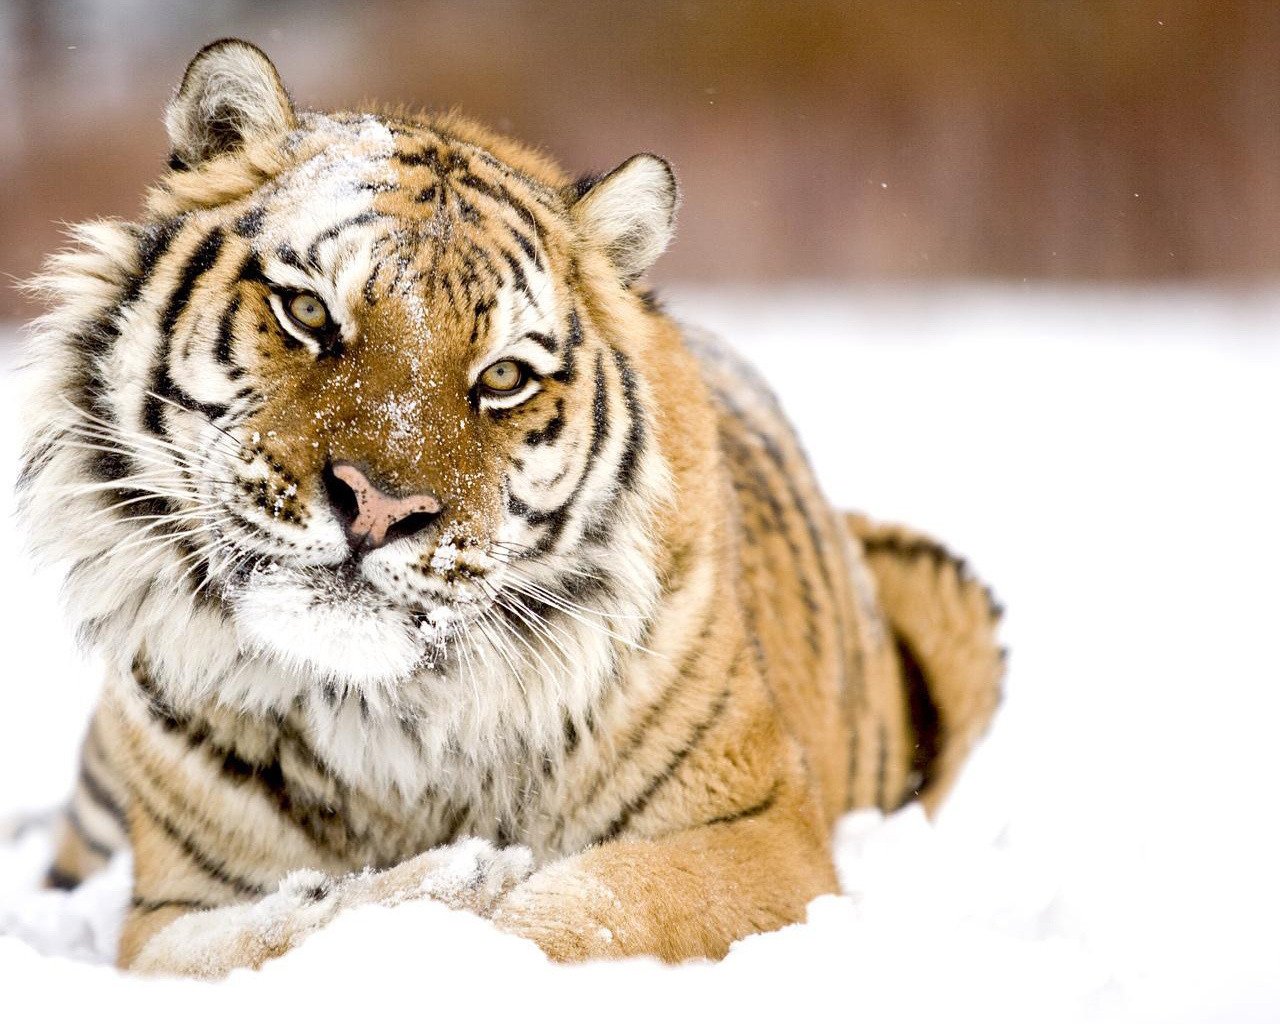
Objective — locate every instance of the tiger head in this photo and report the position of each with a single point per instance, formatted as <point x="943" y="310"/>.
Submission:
<point x="360" y="385"/>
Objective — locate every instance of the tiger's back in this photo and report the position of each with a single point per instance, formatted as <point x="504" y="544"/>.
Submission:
<point x="814" y="597"/>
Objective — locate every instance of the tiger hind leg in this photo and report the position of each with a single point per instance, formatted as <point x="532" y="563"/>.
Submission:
<point x="942" y="623"/>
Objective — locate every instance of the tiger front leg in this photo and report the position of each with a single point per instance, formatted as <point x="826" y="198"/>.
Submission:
<point x="471" y="875"/>
<point x="683" y="896"/>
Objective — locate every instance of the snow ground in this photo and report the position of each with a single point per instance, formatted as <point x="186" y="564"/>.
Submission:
<point x="1107" y="461"/>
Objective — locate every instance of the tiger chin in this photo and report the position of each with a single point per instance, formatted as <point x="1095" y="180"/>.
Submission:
<point x="430" y="559"/>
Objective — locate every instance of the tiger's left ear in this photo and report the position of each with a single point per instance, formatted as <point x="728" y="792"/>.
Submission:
<point x="631" y="213"/>
<point x="230" y="96"/>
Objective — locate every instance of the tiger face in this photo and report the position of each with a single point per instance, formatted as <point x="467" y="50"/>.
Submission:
<point x="357" y="377"/>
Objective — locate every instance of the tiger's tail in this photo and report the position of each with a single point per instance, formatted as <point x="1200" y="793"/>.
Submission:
<point x="943" y="624"/>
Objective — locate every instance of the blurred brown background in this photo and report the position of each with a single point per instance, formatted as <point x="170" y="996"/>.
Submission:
<point x="870" y="139"/>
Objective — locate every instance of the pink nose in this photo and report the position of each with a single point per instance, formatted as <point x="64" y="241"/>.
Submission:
<point x="371" y="516"/>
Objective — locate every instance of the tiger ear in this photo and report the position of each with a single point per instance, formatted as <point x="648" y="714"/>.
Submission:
<point x="230" y="96"/>
<point x="630" y="212"/>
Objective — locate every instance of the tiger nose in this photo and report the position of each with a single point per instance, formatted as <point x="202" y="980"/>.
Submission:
<point x="371" y="516"/>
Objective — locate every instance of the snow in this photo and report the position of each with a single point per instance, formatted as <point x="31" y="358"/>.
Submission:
<point x="1107" y="460"/>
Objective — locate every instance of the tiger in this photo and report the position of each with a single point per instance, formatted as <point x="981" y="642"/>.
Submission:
<point x="430" y="557"/>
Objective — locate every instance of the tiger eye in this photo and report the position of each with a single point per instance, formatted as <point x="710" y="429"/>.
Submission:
<point x="308" y="311"/>
<point x="503" y="377"/>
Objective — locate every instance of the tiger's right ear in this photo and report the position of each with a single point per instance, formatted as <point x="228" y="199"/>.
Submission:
<point x="230" y="96"/>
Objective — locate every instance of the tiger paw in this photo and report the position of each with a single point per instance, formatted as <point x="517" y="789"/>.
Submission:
<point x="212" y="943"/>
<point x="471" y="874"/>
<point x="468" y="875"/>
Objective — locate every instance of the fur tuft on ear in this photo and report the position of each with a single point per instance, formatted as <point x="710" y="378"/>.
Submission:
<point x="231" y="95"/>
<point x="631" y="213"/>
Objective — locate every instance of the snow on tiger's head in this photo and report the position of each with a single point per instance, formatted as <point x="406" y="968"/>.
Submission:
<point x="360" y="386"/>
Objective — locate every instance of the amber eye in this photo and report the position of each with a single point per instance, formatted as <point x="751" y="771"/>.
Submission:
<point x="503" y="378"/>
<point x="308" y="311"/>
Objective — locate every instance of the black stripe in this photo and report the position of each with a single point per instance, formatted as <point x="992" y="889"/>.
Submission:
<point x="573" y="341"/>
<point x="95" y="845"/>
<point x="287" y="255"/>
<point x="150" y="906"/>
<point x="92" y="342"/>
<point x="549" y="433"/>
<point x="369" y="291"/>
<point x="652" y="303"/>
<point x="749" y="483"/>
<point x="200" y="261"/>
<point x="489" y="189"/>
<point x="882" y="764"/>
<point x="162" y="384"/>
<point x="558" y="518"/>
<point x="35" y="458"/>
<point x="925" y="721"/>
<point x="97" y="792"/>
<point x="249" y="224"/>
<point x="518" y="276"/>
<point x="637" y="735"/>
<point x="754" y="811"/>
<point x="251" y="270"/>
<point x="634" y="446"/>
<point x="480" y="319"/>
<point x="546" y="341"/>
<point x="226" y="332"/>
<point x="56" y="878"/>
<point x="319" y="817"/>
<point x="526" y="246"/>
<point x="211" y="866"/>
<point x="334" y="230"/>
<point x="638" y="804"/>
<point x="153" y="244"/>
<point x="428" y="156"/>
<point x="921" y="547"/>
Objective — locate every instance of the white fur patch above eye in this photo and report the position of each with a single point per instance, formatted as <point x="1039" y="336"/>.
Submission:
<point x="631" y="213"/>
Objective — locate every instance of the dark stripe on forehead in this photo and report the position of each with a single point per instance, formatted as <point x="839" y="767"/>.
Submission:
<point x="333" y="231"/>
<point x="526" y="246"/>
<point x="429" y="156"/>
<point x="544" y="340"/>
<point x="490" y="189"/>
<point x="573" y="342"/>
<point x="287" y="255"/>
<point x="249" y="224"/>
<point x="518" y="277"/>
<point x="480" y="319"/>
